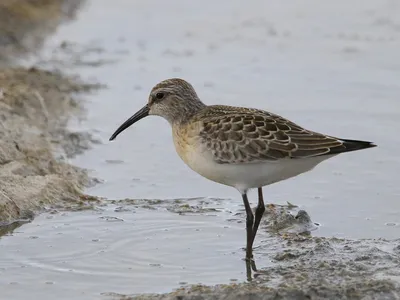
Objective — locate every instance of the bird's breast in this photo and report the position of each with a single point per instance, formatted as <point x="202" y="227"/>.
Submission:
<point x="185" y="143"/>
<point x="195" y="154"/>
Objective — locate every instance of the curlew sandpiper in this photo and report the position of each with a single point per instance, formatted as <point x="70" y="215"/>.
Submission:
<point x="240" y="147"/>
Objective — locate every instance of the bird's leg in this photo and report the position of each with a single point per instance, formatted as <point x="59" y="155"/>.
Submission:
<point x="259" y="213"/>
<point x="249" y="227"/>
<point x="248" y="270"/>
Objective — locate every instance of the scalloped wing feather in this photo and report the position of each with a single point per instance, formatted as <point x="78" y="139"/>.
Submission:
<point x="242" y="135"/>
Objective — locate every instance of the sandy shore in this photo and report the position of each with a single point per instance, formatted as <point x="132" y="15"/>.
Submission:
<point x="34" y="109"/>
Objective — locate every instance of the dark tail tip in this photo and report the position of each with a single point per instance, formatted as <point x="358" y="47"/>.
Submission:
<point x="354" y="145"/>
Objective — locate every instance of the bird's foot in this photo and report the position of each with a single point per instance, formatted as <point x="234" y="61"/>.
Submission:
<point x="250" y="267"/>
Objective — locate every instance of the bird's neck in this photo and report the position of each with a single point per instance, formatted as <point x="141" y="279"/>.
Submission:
<point x="186" y="112"/>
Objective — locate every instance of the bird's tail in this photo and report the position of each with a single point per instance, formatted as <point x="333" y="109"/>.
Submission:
<point x="354" y="145"/>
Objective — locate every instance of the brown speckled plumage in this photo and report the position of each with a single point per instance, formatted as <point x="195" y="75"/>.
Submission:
<point x="242" y="135"/>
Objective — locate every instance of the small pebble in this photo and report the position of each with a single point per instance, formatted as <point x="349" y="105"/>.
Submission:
<point x="390" y="224"/>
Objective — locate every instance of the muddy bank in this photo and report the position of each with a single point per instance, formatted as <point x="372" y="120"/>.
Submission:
<point x="35" y="106"/>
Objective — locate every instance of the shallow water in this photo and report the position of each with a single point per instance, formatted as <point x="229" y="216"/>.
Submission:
<point x="329" y="67"/>
<point x="118" y="250"/>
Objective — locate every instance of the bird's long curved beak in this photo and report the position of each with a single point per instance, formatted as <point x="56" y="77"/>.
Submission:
<point x="144" y="112"/>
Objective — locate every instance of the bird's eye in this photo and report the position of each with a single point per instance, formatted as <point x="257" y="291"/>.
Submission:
<point x="159" y="96"/>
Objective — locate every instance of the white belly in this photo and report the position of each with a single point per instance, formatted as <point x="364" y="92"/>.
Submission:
<point x="245" y="176"/>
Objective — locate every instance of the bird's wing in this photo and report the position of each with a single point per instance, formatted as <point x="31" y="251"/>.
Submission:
<point x="236" y="135"/>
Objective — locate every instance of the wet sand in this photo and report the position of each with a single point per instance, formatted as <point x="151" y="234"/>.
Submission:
<point x="36" y="105"/>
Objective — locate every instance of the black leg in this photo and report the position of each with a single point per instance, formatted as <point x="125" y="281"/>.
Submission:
<point x="249" y="227"/>
<point x="259" y="213"/>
